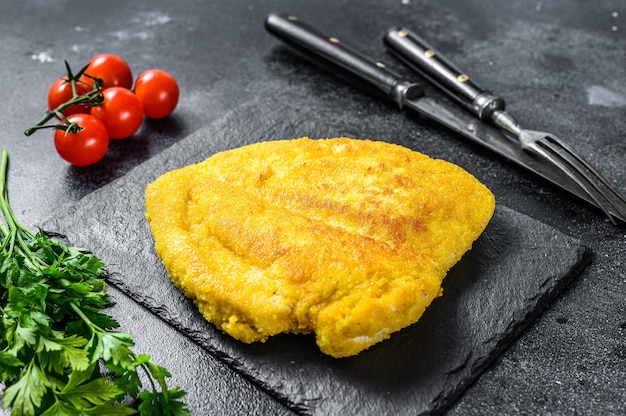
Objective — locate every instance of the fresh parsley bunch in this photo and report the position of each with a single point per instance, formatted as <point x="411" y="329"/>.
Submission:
<point x="59" y="354"/>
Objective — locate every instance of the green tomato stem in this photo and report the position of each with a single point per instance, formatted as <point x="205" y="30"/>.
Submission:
<point x="91" y="98"/>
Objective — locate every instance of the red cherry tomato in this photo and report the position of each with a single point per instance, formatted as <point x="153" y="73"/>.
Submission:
<point x="121" y="112"/>
<point x="113" y="70"/>
<point x="158" y="92"/>
<point x="60" y="92"/>
<point x="85" y="147"/>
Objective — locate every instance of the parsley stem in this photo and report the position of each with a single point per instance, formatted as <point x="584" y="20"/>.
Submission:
<point x="4" y="198"/>
<point x="154" y="388"/>
<point x="16" y="232"/>
<point x="93" y="327"/>
<point x="3" y="185"/>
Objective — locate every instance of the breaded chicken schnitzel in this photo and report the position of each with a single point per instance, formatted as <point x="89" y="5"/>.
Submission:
<point x="349" y="239"/>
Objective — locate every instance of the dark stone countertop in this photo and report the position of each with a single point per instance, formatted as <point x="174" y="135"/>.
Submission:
<point x="559" y="65"/>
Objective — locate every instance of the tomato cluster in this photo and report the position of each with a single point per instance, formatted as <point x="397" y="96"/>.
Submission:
<point x="100" y="103"/>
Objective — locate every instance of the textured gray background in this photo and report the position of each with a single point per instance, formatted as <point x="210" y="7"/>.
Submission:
<point x="560" y="65"/>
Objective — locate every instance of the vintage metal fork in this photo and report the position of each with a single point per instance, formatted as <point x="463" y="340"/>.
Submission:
<point x="568" y="160"/>
<point x="413" y="51"/>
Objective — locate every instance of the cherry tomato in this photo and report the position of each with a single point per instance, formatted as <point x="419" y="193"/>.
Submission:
<point x="60" y="92"/>
<point x="85" y="147"/>
<point x="158" y="92"/>
<point x="121" y="112"/>
<point x="113" y="70"/>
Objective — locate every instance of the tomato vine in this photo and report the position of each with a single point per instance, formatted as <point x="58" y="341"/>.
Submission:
<point x="102" y="89"/>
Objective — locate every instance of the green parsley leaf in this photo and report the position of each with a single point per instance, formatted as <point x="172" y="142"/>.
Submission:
<point x="26" y="395"/>
<point x="156" y="403"/>
<point x="55" y="339"/>
<point x="61" y="409"/>
<point x="97" y="392"/>
<point x="68" y="352"/>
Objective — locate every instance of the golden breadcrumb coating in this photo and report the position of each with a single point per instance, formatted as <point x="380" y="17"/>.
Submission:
<point x="347" y="238"/>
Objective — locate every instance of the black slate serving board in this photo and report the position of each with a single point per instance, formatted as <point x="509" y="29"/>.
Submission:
<point x="513" y="270"/>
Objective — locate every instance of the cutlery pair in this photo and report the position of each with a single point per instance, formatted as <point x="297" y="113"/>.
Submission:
<point x="482" y="117"/>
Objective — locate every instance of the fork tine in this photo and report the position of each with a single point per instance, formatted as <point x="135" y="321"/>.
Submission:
<point x="569" y="159"/>
<point x="589" y="166"/>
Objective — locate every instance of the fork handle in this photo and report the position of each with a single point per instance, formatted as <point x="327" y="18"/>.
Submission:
<point x="417" y="54"/>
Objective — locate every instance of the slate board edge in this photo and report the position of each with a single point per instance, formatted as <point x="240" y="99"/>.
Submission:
<point x="191" y="334"/>
<point x="437" y="405"/>
<point x="481" y="365"/>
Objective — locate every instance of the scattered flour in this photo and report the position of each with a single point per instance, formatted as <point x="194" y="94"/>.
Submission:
<point x="43" y="56"/>
<point x="598" y="95"/>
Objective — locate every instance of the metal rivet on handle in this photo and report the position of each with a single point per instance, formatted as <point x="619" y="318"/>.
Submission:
<point x="380" y="65"/>
<point x="292" y="18"/>
<point x="333" y="40"/>
<point x="462" y="78"/>
<point x="403" y="33"/>
<point x="429" y="53"/>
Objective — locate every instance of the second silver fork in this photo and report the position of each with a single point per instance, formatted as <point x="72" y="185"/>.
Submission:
<point x="413" y="51"/>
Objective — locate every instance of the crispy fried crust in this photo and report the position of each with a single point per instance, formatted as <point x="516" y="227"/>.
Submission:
<point x="350" y="239"/>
